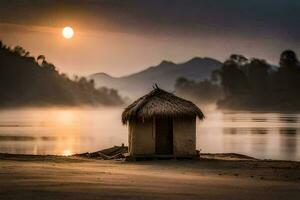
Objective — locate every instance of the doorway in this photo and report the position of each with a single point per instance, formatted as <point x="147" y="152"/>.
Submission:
<point x="164" y="136"/>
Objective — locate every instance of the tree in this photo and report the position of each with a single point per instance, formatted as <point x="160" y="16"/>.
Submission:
<point x="232" y="75"/>
<point x="20" y="51"/>
<point x="258" y="76"/>
<point x="251" y="84"/>
<point x="287" y="78"/>
<point x="288" y="59"/>
<point x="41" y="59"/>
<point x="26" y="81"/>
<point x="200" y="92"/>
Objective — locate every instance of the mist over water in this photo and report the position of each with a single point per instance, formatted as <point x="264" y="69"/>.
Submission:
<point x="65" y="131"/>
<point x="60" y="131"/>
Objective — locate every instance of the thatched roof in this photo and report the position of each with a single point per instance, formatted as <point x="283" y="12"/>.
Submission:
<point x="159" y="103"/>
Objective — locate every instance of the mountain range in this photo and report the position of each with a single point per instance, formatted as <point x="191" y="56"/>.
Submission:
<point x="164" y="75"/>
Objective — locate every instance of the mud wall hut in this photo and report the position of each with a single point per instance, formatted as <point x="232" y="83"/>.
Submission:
<point x="161" y="124"/>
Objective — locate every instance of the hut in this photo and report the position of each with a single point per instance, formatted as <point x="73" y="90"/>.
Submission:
<point x="161" y="124"/>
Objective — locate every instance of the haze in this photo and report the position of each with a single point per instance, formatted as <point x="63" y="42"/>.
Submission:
<point x="122" y="37"/>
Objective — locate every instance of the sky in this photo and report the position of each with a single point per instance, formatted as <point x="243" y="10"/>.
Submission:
<point x="120" y="37"/>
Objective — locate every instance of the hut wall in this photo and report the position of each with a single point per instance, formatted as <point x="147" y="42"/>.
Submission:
<point x="141" y="138"/>
<point x="184" y="137"/>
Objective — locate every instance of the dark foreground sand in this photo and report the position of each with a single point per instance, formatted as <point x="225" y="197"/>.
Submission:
<point x="51" y="177"/>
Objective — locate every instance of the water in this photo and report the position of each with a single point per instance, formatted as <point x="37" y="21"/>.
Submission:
<point x="69" y="131"/>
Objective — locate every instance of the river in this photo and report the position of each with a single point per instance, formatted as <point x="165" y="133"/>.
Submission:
<point x="65" y="131"/>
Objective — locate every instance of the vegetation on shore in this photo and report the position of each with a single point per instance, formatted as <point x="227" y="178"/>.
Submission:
<point x="202" y="92"/>
<point x="250" y="84"/>
<point x="29" y="81"/>
<point x="241" y="83"/>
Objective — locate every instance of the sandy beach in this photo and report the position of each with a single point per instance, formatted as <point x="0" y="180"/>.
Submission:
<point x="215" y="177"/>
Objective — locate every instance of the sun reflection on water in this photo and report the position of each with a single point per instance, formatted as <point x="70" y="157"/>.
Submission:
<point x="66" y="131"/>
<point x="64" y="117"/>
<point x="67" y="152"/>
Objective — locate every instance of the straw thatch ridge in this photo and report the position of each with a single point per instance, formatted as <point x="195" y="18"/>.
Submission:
<point x="160" y="104"/>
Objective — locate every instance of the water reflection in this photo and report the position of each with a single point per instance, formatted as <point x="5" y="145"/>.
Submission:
<point x="259" y="131"/>
<point x="68" y="131"/>
<point x="289" y="142"/>
<point x="288" y="119"/>
<point x="26" y="138"/>
<point x="254" y="130"/>
<point x="262" y="135"/>
<point x="67" y="152"/>
<point x="289" y="131"/>
<point x="16" y="138"/>
<point x="258" y="119"/>
<point x="231" y="131"/>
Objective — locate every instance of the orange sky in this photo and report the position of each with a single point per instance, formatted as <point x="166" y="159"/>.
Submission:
<point x="122" y="37"/>
<point x="117" y="53"/>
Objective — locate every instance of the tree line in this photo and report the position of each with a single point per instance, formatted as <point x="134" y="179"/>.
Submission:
<point x="29" y="81"/>
<point x="244" y="83"/>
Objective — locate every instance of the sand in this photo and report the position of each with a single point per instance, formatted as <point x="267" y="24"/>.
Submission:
<point x="216" y="177"/>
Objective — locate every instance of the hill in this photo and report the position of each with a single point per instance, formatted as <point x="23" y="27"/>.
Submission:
<point x="26" y="81"/>
<point x="165" y="75"/>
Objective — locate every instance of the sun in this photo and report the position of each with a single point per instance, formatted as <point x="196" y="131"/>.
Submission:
<point x="68" y="32"/>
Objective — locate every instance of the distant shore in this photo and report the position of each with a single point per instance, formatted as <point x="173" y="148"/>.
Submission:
<point x="263" y="109"/>
<point x="215" y="176"/>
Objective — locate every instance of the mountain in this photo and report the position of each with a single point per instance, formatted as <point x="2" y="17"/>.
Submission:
<point x="164" y="74"/>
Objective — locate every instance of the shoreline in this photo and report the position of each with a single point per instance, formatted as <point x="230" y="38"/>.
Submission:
<point x="203" y="157"/>
<point x="215" y="176"/>
<point x="208" y="161"/>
